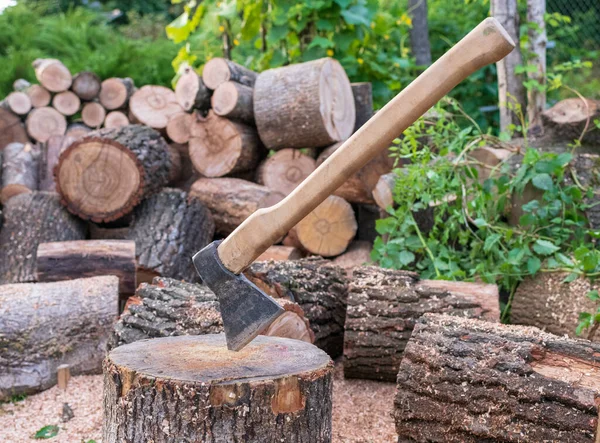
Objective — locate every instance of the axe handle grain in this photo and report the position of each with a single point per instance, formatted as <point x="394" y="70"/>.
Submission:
<point x="487" y="43"/>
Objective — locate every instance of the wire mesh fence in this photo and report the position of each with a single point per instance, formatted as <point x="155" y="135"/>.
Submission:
<point x="583" y="33"/>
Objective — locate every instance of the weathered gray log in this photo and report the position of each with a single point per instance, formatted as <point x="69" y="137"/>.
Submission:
<point x="20" y="170"/>
<point x="31" y="219"/>
<point x="191" y="388"/>
<point x="49" y="159"/>
<point x="44" y="325"/>
<point x="385" y="304"/>
<point x="464" y="380"/>
<point x="86" y="85"/>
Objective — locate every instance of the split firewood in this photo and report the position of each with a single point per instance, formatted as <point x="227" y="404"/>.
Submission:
<point x="52" y="74"/>
<point x="383" y="192"/>
<point x="317" y="111"/>
<point x="179" y="127"/>
<point x="329" y="228"/>
<point x="93" y="114"/>
<point x="572" y="117"/>
<point x="363" y="103"/>
<point x="43" y="123"/>
<point x="383" y="307"/>
<point x="115" y="119"/>
<point x="154" y="105"/>
<point x="318" y="286"/>
<point x="278" y="252"/>
<point x="11" y="129"/>
<point x="104" y="175"/>
<point x="357" y="254"/>
<point x="471" y="381"/>
<point x="68" y="260"/>
<point x="38" y="95"/>
<point x="220" y="70"/>
<point x="274" y="390"/>
<point x="233" y="100"/>
<point x="20" y="166"/>
<point x="232" y="200"/>
<point x="285" y="170"/>
<point x="31" y="219"/>
<point x="219" y="146"/>
<point x="45" y="325"/>
<point x="191" y="92"/>
<point x="86" y="85"/>
<point x="17" y="102"/>
<point x="115" y="92"/>
<point x="168" y="307"/>
<point x="67" y="103"/>
<point x="168" y="229"/>
<point x="49" y="159"/>
<point x="77" y="130"/>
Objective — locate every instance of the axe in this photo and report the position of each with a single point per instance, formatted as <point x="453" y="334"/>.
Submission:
<point x="246" y="310"/>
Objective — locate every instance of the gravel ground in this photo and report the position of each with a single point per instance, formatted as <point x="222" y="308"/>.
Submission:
<point x="361" y="412"/>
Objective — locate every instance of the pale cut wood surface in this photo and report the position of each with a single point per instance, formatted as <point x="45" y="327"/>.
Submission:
<point x="233" y="100"/>
<point x="154" y="105"/>
<point x="17" y="102"/>
<point x="285" y="170"/>
<point x="191" y="92"/>
<point x="179" y="127"/>
<point x="115" y="92"/>
<point x="220" y="70"/>
<point x="486" y="44"/>
<point x="86" y="85"/>
<point x="115" y="119"/>
<point x="66" y="102"/>
<point x="43" y="123"/>
<point x="38" y="95"/>
<point x="93" y="114"/>
<point x="52" y="74"/>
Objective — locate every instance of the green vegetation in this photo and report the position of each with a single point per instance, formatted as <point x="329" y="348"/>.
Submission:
<point x="47" y="432"/>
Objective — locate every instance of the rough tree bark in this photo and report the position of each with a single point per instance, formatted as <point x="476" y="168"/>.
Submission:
<point x="419" y="32"/>
<point x="536" y="99"/>
<point x="44" y="325"/>
<point x="191" y="388"/>
<point x="31" y="219"/>
<point x="20" y="167"/>
<point x="49" y="158"/>
<point x="464" y="380"/>
<point x="383" y="307"/>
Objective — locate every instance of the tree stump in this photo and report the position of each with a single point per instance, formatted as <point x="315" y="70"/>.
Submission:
<point x="154" y="105"/>
<point x="38" y="95"/>
<point x="168" y="229"/>
<point x="104" y="175"/>
<point x="219" y="146"/>
<point x="44" y="325"/>
<point x="305" y="105"/>
<point x="17" y="102"/>
<point x="52" y="74"/>
<point x="11" y="129"/>
<point x="66" y="102"/>
<point x="191" y="92"/>
<point x="115" y="93"/>
<point x="93" y="114"/>
<point x="464" y="380"/>
<point x="571" y="118"/>
<point x="318" y="286"/>
<point x="329" y="228"/>
<point x="67" y="260"/>
<point x="179" y="127"/>
<point x="363" y="103"/>
<point x="20" y="165"/>
<point x="31" y="219"/>
<point x="383" y="307"/>
<point x="43" y="123"/>
<point x="220" y="70"/>
<point x="86" y="85"/>
<point x="115" y="119"/>
<point x="232" y="200"/>
<point x="285" y="170"/>
<point x="233" y="100"/>
<point x="273" y="390"/>
<point x="170" y="307"/>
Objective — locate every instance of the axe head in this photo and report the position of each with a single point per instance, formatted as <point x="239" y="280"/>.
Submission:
<point x="246" y="310"/>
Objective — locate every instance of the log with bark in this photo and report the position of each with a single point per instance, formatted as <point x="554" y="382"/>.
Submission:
<point x="305" y="105"/>
<point x="329" y="228"/>
<point x="274" y="390"/>
<point x="464" y="380"/>
<point x="93" y="114"/>
<point x="232" y="200"/>
<point x="115" y="119"/>
<point x="179" y="127"/>
<point x="115" y="92"/>
<point x="169" y="307"/>
<point x="363" y="103"/>
<point x="86" y="85"/>
<point x="44" y="325"/>
<point x="175" y="165"/>
<point x="43" y="123"/>
<point x="20" y="167"/>
<point x="31" y="219"/>
<point x="220" y="70"/>
<point x="154" y="105"/>
<point x="233" y="100"/>
<point x="573" y="118"/>
<point x="383" y="307"/>
<point x="279" y="252"/>
<point x="52" y="74"/>
<point x="17" y="102"/>
<point x="219" y="146"/>
<point x="49" y="158"/>
<point x="318" y="286"/>
<point x="104" y="175"/>
<point x="67" y="260"/>
<point x="11" y="129"/>
<point x="38" y="95"/>
<point x="285" y="170"/>
<point x="168" y="229"/>
<point x="67" y="103"/>
<point x="187" y="174"/>
<point x="191" y="92"/>
<point x="357" y="254"/>
<point x="383" y="192"/>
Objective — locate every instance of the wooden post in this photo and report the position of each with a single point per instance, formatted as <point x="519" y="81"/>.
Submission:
<point x="536" y="99"/>
<point x="63" y="374"/>
<point x="419" y="32"/>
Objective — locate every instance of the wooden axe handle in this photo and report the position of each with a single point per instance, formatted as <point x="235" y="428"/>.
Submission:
<point x="487" y="43"/>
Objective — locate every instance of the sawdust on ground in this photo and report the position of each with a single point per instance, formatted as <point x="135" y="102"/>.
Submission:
<point x="361" y="412"/>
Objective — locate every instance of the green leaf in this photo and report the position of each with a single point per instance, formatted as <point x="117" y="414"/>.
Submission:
<point x="593" y="295"/>
<point x="321" y="42"/>
<point x="543" y="182"/>
<point x="406" y="257"/>
<point x="490" y="241"/>
<point x="479" y="222"/>
<point x="571" y="277"/>
<point x="590" y="261"/>
<point x="533" y="265"/>
<point x="544" y="247"/>
<point x="46" y="432"/>
<point x="356" y="15"/>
